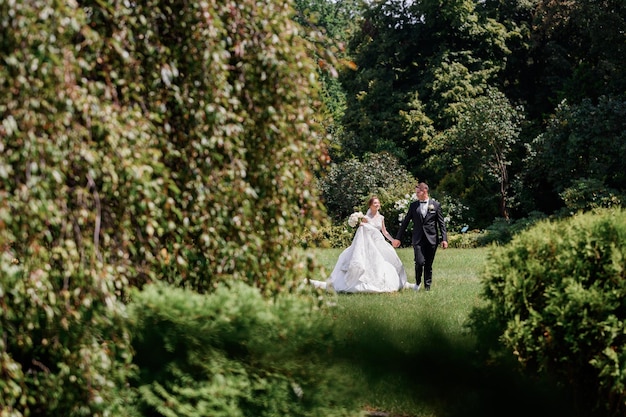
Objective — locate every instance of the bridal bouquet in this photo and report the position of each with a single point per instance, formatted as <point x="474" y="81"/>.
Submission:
<point x="355" y="218"/>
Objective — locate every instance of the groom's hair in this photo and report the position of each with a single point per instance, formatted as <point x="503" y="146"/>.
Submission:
<point x="423" y="186"/>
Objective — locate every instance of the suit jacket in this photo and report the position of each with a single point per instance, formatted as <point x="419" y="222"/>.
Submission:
<point x="432" y="227"/>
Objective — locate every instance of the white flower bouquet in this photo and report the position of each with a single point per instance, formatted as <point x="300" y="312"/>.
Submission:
<point x="355" y="218"/>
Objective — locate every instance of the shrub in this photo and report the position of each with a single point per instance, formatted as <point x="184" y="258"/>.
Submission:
<point x="456" y="214"/>
<point x="587" y="194"/>
<point x="469" y="239"/>
<point x="185" y="153"/>
<point x="64" y="347"/>
<point x="328" y="236"/>
<point x="555" y="298"/>
<point x="350" y="184"/>
<point x="233" y="353"/>
<point x="501" y="231"/>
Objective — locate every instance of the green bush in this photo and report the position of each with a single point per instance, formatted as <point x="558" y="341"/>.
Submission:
<point x="554" y="297"/>
<point x="501" y="231"/>
<point x="170" y="140"/>
<point x="64" y="347"/>
<point x="350" y="184"/>
<point x="587" y="194"/>
<point x="469" y="239"/>
<point x="328" y="236"/>
<point x="233" y="353"/>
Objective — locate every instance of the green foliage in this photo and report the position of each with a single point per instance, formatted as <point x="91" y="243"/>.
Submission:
<point x="588" y="194"/>
<point x="481" y="142"/>
<point x="470" y="239"/>
<point x="145" y="141"/>
<point x="456" y="214"/>
<point x="582" y="43"/>
<point x="501" y="231"/>
<point x="329" y="236"/>
<point x="416" y="61"/>
<point x="337" y="20"/>
<point x="233" y="353"/>
<point x="64" y="346"/>
<point x="185" y="153"/>
<point x="419" y="61"/>
<point x="554" y="297"/>
<point x="350" y="184"/>
<point x="583" y="142"/>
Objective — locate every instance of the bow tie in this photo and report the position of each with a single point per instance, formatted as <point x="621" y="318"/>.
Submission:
<point x="423" y="202"/>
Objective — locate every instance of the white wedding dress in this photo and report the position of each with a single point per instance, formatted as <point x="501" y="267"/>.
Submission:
<point x="369" y="264"/>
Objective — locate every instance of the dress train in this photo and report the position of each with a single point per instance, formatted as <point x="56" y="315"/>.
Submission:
<point x="370" y="264"/>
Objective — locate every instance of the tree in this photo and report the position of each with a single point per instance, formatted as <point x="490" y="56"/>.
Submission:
<point x="481" y="142"/>
<point x="583" y="141"/>
<point x="579" y="48"/>
<point x="337" y="20"/>
<point x="416" y="61"/>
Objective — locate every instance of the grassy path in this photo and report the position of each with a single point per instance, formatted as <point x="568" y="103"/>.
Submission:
<point x="410" y="353"/>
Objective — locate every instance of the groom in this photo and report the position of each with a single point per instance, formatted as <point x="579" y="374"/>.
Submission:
<point x="429" y="229"/>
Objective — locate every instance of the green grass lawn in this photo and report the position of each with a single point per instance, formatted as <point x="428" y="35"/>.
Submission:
<point x="410" y="353"/>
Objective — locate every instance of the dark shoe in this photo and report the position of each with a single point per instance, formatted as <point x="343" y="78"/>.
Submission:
<point x="427" y="288"/>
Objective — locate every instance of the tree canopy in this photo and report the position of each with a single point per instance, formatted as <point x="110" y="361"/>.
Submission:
<point x="419" y="64"/>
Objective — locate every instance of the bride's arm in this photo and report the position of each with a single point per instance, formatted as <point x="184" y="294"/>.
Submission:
<point x="385" y="232"/>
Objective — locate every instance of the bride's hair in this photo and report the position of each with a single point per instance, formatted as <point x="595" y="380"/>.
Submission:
<point x="371" y="200"/>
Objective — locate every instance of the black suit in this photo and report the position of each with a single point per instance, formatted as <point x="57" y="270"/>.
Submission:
<point x="428" y="231"/>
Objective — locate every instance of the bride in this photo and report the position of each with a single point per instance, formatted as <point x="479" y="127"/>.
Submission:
<point x="369" y="264"/>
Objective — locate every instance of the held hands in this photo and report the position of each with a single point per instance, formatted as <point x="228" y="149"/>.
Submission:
<point x="396" y="243"/>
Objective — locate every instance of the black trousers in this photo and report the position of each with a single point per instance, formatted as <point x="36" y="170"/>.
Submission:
<point x="424" y="253"/>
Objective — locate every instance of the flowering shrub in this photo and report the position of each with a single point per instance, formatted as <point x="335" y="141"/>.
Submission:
<point x="456" y="214"/>
<point x="349" y="184"/>
<point x="402" y="205"/>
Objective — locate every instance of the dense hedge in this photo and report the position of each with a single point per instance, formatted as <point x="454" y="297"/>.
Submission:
<point x="64" y="345"/>
<point x="153" y="140"/>
<point x="555" y="298"/>
<point x="172" y="140"/>
<point x="233" y="353"/>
